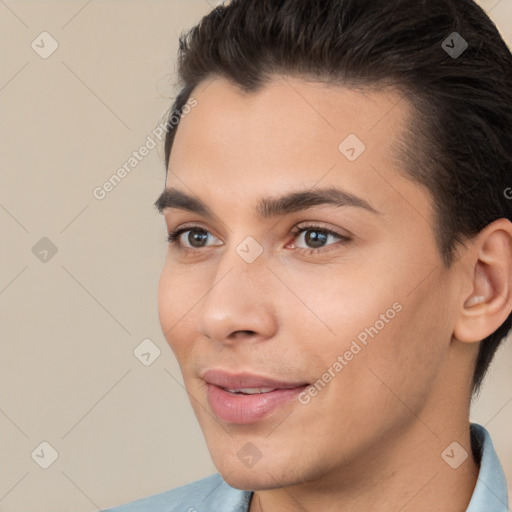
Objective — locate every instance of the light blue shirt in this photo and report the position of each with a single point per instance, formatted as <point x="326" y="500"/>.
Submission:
<point x="212" y="494"/>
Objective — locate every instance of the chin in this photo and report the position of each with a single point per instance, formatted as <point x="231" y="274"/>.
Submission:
<point x="262" y="475"/>
<point x="253" y="480"/>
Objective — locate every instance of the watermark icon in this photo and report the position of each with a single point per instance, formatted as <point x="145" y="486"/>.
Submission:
<point x="351" y="147"/>
<point x="249" y="249"/>
<point x="44" y="45"/>
<point x="101" y="192"/>
<point x="44" y="455"/>
<point x="454" y="45"/>
<point x="146" y="352"/>
<point x="44" y="250"/>
<point x="349" y="354"/>
<point x="508" y="193"/>
<point x="454" y="455"/>
<point x="249" y="454"/>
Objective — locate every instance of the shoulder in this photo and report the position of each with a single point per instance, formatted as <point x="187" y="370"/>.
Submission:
<point x="210" y="493"/>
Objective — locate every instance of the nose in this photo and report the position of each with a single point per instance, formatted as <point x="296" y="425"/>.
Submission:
<point x="239" y="302"/>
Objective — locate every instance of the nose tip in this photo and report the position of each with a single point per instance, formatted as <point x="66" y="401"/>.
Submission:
<point x="238" y="308"/>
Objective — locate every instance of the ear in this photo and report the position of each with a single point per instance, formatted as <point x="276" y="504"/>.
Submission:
<point x="490" y="302"/>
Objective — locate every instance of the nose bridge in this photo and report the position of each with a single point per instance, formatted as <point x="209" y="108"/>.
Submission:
<point x="239" y="298"/>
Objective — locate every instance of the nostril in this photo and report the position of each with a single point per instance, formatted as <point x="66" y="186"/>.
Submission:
<point x="241" y="333"/>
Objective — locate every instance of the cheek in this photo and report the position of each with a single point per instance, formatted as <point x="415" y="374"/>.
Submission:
<point x="166" y="301"/>
<point x="386" y="331"/>
<point x="403" y="360"/>
<point x="176" y="299"/>
<point x="340" y="305"/>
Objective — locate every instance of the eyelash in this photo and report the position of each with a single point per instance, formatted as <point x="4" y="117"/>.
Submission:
<point x="172" y="238"/>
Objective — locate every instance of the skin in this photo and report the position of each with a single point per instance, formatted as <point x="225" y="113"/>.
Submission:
<point x="372" y="438"/>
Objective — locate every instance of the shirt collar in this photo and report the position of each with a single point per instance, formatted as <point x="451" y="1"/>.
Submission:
<point x="490" y="494"/>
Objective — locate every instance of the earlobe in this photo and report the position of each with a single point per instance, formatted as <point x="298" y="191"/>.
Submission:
<point x="490" y="301"/>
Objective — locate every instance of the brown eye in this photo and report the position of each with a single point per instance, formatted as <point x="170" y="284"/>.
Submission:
<point x="316" y="237"/>
<point x="191" y="238"/>
<point x="197" y="238"/>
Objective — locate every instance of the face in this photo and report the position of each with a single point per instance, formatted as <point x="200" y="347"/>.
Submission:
<point x="304" y="277"/>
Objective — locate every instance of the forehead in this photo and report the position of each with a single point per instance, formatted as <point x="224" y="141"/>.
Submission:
<point x="291" y="133"/>
<point x="284" y="100"/>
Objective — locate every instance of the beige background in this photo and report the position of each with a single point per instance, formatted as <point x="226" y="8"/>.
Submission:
<point x="68" y="375"/>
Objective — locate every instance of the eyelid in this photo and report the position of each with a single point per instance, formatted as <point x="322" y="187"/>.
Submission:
<point x="304" y="226"/>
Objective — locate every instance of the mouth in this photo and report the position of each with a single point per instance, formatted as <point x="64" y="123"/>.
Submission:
<point x="246" y="382"/>
<point x="245" y="398"/>
<point x="250" y="391"/>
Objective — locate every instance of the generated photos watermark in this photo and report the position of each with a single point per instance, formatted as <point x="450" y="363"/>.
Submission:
<point x="357" y="345"/>
<point x="101" y="192"/>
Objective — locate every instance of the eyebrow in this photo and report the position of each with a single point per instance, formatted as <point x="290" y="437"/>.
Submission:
<point x="269" y="206"/>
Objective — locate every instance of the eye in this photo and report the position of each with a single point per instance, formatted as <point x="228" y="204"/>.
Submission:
<point x="191" y="237"/>
<point x="311" y="238"/>
<point x="316" y="237"/>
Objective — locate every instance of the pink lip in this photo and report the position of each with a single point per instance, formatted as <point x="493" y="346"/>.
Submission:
<point x="245" y="380"/>
<point x="244" y="409"/>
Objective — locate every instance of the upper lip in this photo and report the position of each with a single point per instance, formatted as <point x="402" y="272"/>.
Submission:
<point x="243" y="380"/>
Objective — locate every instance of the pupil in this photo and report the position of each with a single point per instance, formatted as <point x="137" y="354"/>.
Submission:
<point x="315" y="239"/>
<point x="196" y="238"/>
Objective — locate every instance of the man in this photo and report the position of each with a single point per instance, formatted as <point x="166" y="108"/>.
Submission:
<point x="338" y="276"/>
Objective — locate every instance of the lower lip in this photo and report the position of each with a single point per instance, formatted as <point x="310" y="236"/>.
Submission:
<point x="244" y="409"/>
